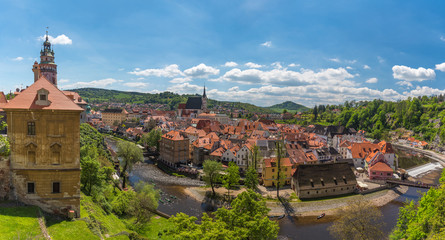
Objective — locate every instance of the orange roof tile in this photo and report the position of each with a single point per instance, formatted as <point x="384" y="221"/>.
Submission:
<point x="27" y="98"/>
<point x="381" y="167"/>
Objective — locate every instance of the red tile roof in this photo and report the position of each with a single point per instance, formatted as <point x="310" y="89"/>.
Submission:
<point x="381" y="167"/>
<point x="27" y="98"/>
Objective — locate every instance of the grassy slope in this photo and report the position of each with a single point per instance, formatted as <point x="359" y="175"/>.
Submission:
<point x="19" y="223"/>
<point x="110" y="223"/>
<point x="22" y="222"/>
<point x="69" y="230"/>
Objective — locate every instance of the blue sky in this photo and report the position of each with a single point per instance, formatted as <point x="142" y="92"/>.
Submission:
<point x="261" y="52"/>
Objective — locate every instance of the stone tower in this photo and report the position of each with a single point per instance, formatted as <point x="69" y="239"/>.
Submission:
<point x="204" y="100"/>
<point x="46" y="67"/>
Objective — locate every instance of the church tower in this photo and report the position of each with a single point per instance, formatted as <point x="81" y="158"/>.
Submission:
<point x="204" y="100"/>
<point x="47" y="67"/>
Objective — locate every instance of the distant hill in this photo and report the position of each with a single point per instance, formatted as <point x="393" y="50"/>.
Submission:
<point x="98" y="95"/>
<point x="289" y="106"/>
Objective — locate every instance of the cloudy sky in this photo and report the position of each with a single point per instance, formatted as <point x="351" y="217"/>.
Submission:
<point x="261" y="52"/>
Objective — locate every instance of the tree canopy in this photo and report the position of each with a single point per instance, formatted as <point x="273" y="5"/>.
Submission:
<point x="247" y="219"/>
<point x="212" y="172"/>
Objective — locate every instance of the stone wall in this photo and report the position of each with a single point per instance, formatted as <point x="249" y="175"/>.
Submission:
<point x="4" y="178"/>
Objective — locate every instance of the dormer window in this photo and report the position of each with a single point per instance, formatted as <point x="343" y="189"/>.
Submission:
<point x="42" y="97"/>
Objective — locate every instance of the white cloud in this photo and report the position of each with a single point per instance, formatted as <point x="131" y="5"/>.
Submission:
<point x="405" y="83"/>
<point x="168" y="71"/>
<point x="380" y="59"/>
<point x="230" y="64"/>
<point x="180" y="80"/>
<point x="442" y="38"/>
<point x="307" y="95"/>
<point x="136" y="84"/>
<point x="185" y="88"/>
<point x="277" y="65"/>
<point x="201" y="71"/>
<point x="267" y="44"/>
<point x="17" y="59"/>
<point x="63" y="80"/>
<point x="96" y="83"/>
<point x="366" y="67"/>
<point x="293" y="65"/>
<point x="440" y="67"/>
<point x="252" y="65"/>
<point x="349" y="67"/>
<point x="412" y="74"/>
<point x="372" y="80"/>
<point x="121" y="69"/>
<point x="424" y="91"/>
<point x="334" y="60"/>
<point x="234" y="89"/>
<point x="59" y="40"/>
<point x="286" y="77"/>
<point x="351" y="61"/>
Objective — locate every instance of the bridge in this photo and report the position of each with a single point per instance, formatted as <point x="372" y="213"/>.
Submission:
<point x="411" y="184"/>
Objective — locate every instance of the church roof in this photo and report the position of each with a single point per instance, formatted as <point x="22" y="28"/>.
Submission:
<point x="193" y="103"/>
<point x="27" y="98"/>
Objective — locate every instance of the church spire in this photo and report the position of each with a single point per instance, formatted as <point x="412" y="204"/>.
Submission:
<point x="204" y="94"/>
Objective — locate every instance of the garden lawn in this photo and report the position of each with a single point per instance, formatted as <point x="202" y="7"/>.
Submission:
<point x="61" y="230"/>
<point x="156" y="225"/>
<point x="19" y="223"/>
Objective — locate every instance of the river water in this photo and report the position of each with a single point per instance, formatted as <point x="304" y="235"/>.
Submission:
<point x="174" y="200"/>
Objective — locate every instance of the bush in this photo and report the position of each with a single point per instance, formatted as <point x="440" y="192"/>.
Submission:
<point x="120" y="203"/>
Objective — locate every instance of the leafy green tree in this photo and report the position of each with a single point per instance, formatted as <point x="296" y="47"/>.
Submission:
<point x="130" y="154"/>
<point x="247" y="219"/>
<point x="212" y="172"/>
<point x="315" y="113"/>
<point x="360" y="220"/>
<point x="251" y="181"/>
<point x="152" y="138"/>
<point x="4" y="142"/>
<point x="144" y="204"/>
<point x="426" y="220"/>
<point x="231" y="178"/>
<point x="90" y="174"/>
<point x="121" y="203"/>
<point x="255" y="155"/>
<point x="280" y="154"/>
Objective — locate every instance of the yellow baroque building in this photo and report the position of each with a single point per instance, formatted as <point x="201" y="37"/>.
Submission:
<point x="44" y="133"/>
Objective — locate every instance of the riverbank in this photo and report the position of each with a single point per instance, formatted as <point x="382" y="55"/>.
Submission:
<point x="309" y="208"/>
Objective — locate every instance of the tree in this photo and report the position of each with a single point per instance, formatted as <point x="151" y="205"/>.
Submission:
<point x="152" y="138"/>
<point x="359" y="220"/>
<point x="4" y="142"/>
<point x="279" y="155"/>
<point x="130" y="154"/>
<point x="90" y="175"/>
<point x="251" y="181"/>
<point x="144" y="204"/>
<point x="231" y="178"/>
<point x="212" y="171"/>
<point x="255" y="155"/>
<point x="315" y="112"/>
<point x="247" y="219"/>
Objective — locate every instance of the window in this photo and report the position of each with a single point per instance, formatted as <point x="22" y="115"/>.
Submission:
<point x="335" y="181"/>
<point x="31" y="188"/>
<point x="273" y="169"/>
<point x="344" y="180"/>
<point x="389" y="174"/>
<point x="322" y="183"/>
<point x="56" y="187"/>
<point x="312" y="184"/>
<point x="42" y="97"/>
<point x="32" y="157"/>
<point x="31" y="128"/>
